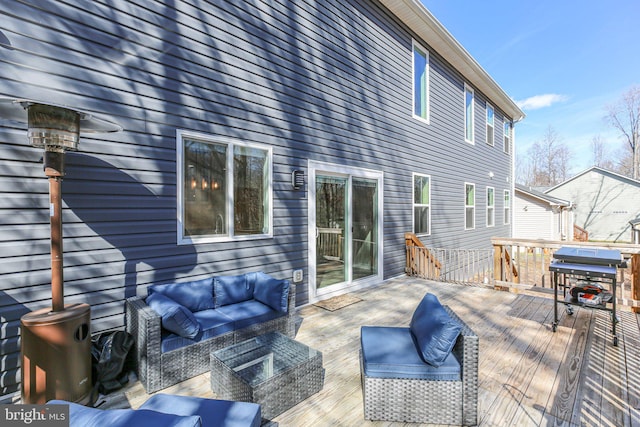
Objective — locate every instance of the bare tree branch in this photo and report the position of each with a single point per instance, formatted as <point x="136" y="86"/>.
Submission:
<point x="625" y="117"/>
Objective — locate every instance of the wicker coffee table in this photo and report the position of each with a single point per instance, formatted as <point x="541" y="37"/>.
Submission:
<point x="271" y="369"/>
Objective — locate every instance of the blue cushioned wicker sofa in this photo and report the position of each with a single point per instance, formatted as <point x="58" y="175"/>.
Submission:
<point x="178" y="325"/>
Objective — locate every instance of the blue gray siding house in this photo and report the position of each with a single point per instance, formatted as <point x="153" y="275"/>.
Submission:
<point x="395" y="127"/>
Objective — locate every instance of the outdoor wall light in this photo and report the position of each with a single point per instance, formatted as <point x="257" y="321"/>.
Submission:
<point x="297" y="179"/>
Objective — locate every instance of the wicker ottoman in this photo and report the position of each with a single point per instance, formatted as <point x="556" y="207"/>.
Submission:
<point x="272" y="370"/>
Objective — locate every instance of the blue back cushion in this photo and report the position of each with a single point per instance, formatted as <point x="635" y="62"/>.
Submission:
<point x="433" y="330"/>
<point x="272" y="292"/>
<point x="175" y="317"/>
<point x="196" y="295"/>
<point x="231" y="289"/>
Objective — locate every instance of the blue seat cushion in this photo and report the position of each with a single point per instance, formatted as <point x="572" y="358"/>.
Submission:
<point x="389" y="352"/>
<point x="272" y="292"/>
<point x="174" y="317"/>
<point x="434" y="331"/>
<point x="196" y="295"/>
<point x="212" y="324"/>
<point x="249" y="313"/>
<point x="231" y="289"/>
<point x="82" y="416"/>
<point x="219" y="413"/>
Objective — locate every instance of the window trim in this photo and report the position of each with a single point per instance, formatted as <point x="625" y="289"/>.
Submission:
<point x="473" y="227"/>
<point x="417" y="46"/>
<point x="231" y="143"/>
<point x="507" y="135"/>
<point x="469" y="89"/>
<point x="413" y="203"/>
<point x="491" y="208"/>
<point x="506" y="209"/>
<point x="492" y="125"/>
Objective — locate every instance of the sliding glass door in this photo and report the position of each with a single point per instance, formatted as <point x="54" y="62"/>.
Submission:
<point x="345" y="228"/>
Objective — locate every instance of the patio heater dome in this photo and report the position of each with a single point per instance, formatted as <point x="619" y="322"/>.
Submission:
<point x="55" y="343"/>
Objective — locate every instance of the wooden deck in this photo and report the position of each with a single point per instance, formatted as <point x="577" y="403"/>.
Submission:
<point x="529" y="376"/>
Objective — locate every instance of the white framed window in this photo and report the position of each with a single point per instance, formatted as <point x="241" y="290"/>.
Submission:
<point x="224" y="189"/>
<point x="421" y="204"/>
<point x="490" y="124"/>
<point x="491" y="205"/>
<point x="507" y="136"/>
<point x="507" y="207"/>
<point x="469" y="111"/>
<point x="420" y="82"/>
<point x="469" y="206"/>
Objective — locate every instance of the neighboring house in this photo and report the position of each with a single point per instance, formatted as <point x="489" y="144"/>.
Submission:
<point x="395" y="127"/>
<point x="539" y="216"/>
<point x="604" y="202"/>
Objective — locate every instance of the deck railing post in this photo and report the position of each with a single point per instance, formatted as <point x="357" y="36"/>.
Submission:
<point x="497" y="265"/>
<point x="635" y="281"/>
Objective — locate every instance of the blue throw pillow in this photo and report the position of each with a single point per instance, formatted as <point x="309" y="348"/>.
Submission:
<point x="272" y="292"/>
<point x="433" y="330"/>
<point x="196" y="295"/>
<point x="175" y="317"/>
<point x="231" y="289"/>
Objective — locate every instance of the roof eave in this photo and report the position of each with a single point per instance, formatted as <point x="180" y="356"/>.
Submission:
<point x="418" y="18"/>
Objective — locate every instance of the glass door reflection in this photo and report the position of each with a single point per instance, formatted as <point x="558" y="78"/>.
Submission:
<point x="331" y="216"/>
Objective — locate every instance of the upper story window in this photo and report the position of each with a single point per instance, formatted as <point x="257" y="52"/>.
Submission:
<point x="469" y="206"/>
<point x="421" y="204"/>
<point x="490" y="122"/>
<point x="224" y="189"/>
<point x="507" y="136"/>
<point x="420" y="82"/>
<point x="507" y="207"/>
<point x="491" y="204"/>
<point x="469" y="109"/>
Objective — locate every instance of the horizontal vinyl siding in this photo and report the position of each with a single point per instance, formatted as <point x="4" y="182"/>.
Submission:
<point x="328" y="81"/>
<point x="536" y="222"/>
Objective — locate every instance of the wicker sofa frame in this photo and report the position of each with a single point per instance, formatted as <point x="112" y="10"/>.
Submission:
<point x="157" y="370"/>
<point x="426" y="401"/>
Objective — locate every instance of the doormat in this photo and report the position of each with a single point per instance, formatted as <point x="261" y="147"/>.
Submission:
<point x="336" y="303"/>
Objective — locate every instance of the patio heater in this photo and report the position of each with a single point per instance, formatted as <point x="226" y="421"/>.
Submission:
<point x="55" y="342"/>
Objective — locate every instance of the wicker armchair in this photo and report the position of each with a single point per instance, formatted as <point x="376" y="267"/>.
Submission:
<point x="428" y="401"/>
<point x="158" y="370"/>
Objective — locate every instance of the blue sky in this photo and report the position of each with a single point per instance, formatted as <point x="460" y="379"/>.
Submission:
<point x="563" y="61"/>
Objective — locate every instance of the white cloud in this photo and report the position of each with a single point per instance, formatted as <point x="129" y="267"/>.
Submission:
<point x="541" y="101"/>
